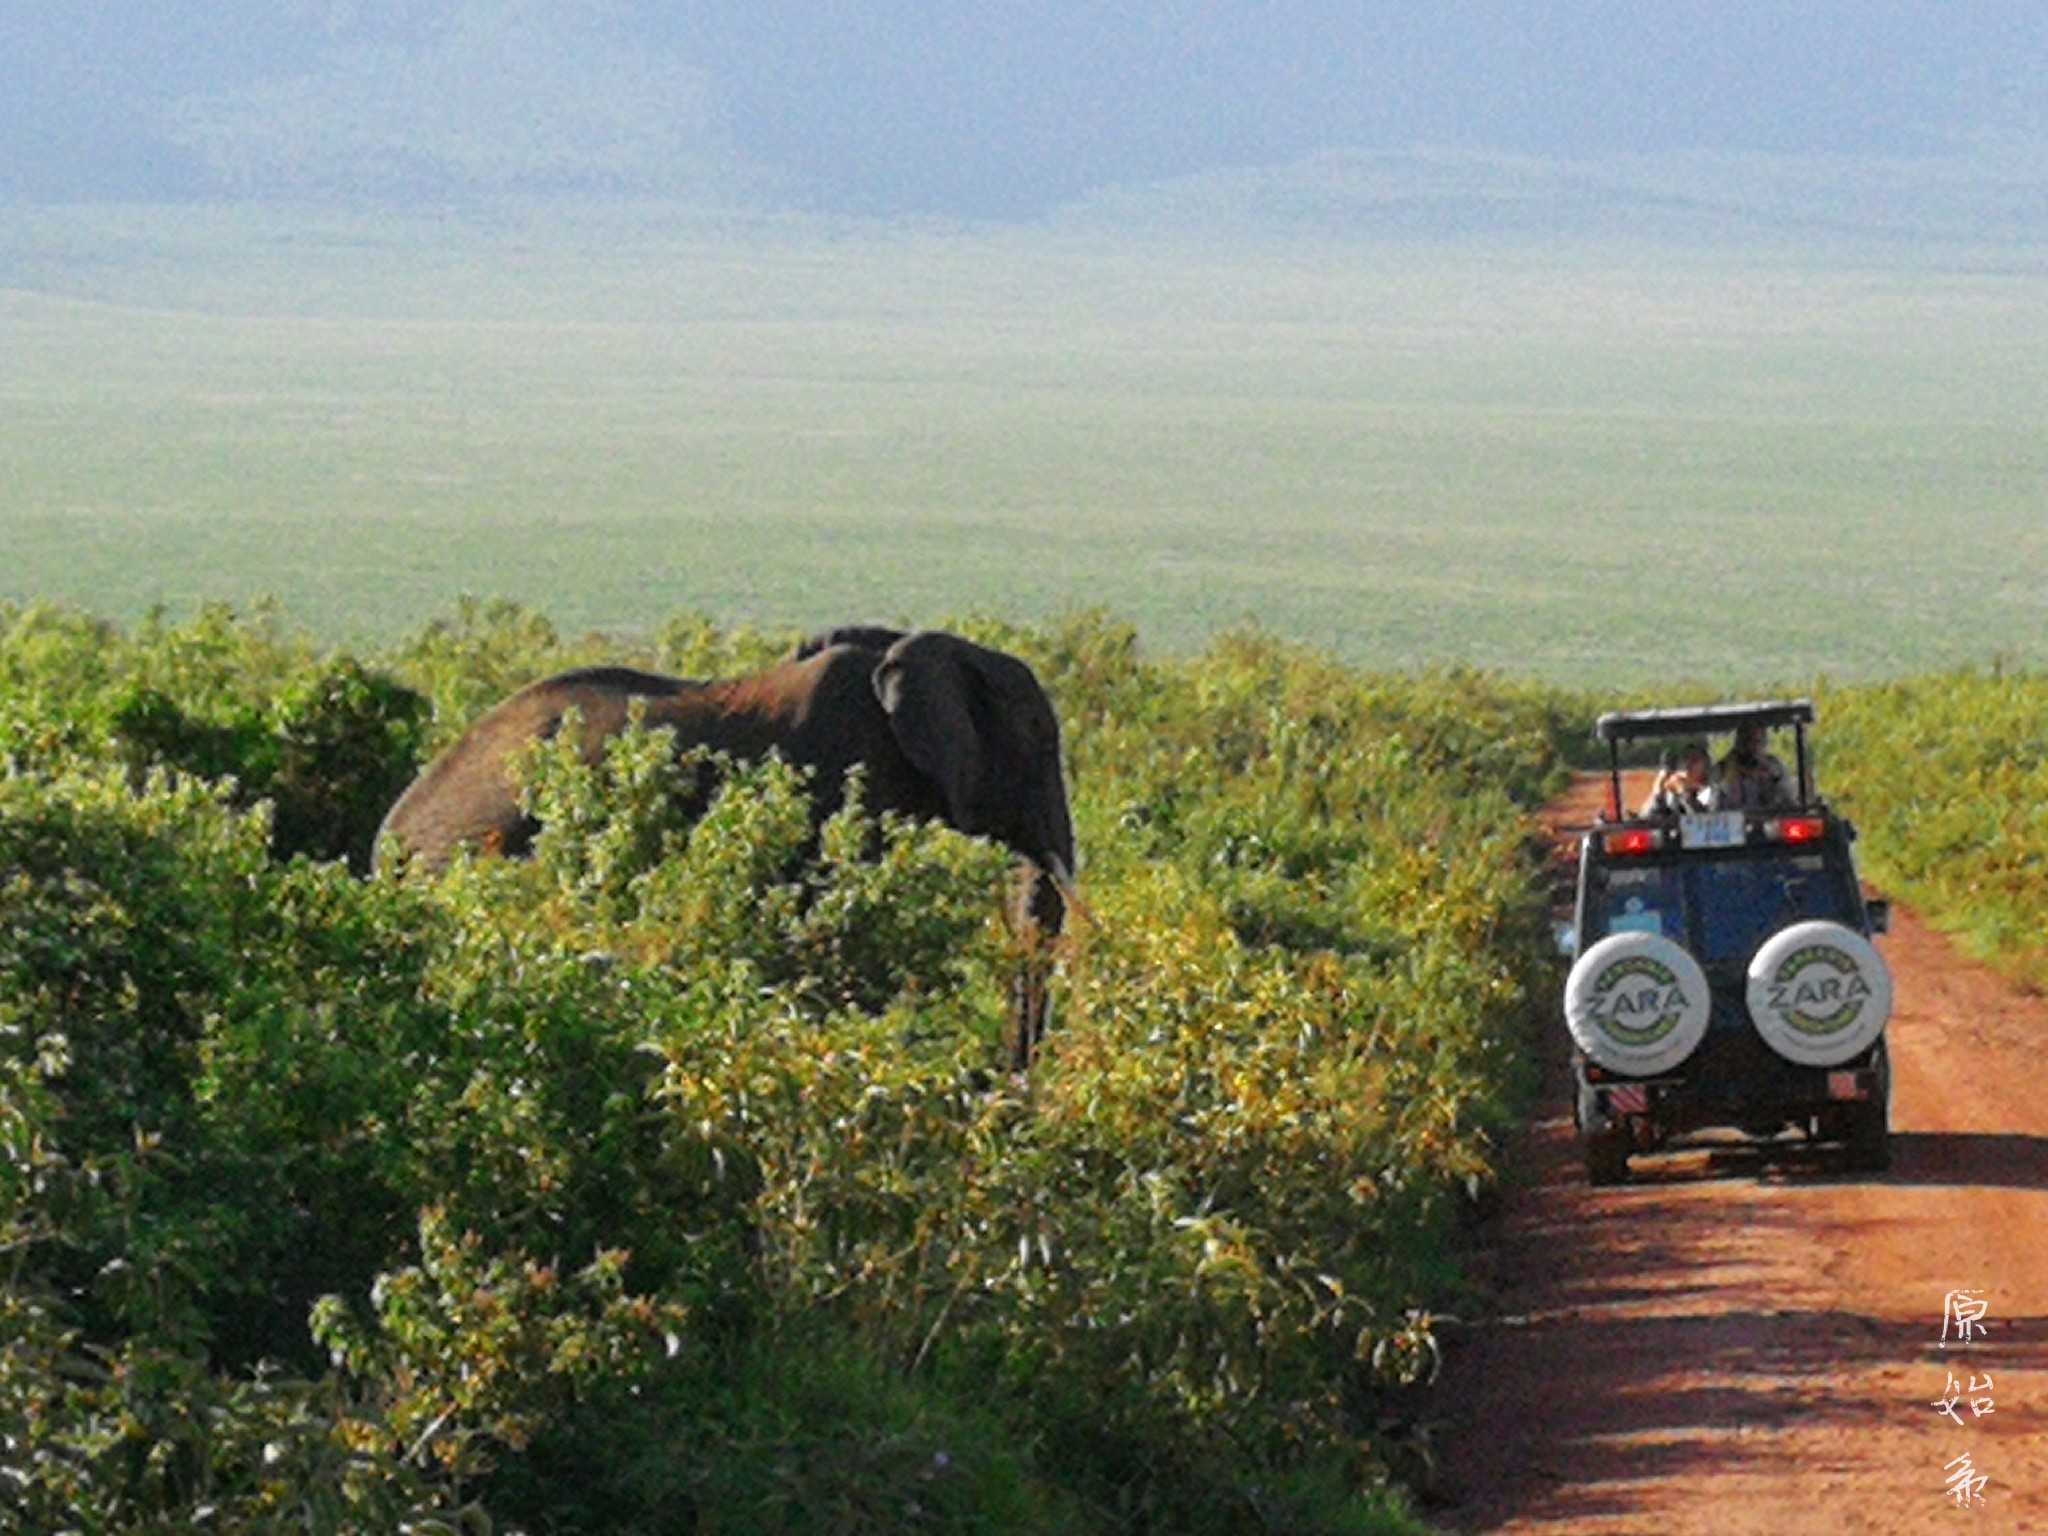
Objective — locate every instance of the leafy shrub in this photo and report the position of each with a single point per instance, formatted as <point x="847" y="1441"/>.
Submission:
<point x="330" y="755"/>
<point x="327" y="741"/>
<point x="1947" y="777"/>
<point x="670" y="1176"/>
<point x="116" y="922"/>
<point x="346" y="744"/>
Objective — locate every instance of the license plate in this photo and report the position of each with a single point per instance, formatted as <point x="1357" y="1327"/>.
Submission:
<point x="1714" y="829"/>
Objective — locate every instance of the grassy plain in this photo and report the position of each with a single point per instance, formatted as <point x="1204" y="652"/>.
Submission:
<point x="1592" y="465"/>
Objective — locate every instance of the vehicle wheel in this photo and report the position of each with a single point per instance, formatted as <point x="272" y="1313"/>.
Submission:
<point x="1607" y="1156"/>
<point x="1866" y="1138"/>
<point x="1818" y="993"/>
<point x="1637" y="1003"/>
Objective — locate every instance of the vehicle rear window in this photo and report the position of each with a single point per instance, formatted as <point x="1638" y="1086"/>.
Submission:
<point x="1648" y="899"/>
<point x="1721" y="909"/>
<point x="1739" y="903"/>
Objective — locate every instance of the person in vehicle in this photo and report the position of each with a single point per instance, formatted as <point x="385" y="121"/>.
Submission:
<point x="1686" y="789"/>
<point x="1750" y="776"/>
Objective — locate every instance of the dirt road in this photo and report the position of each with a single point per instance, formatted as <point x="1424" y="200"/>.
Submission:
<point x="1734" y="1343"/>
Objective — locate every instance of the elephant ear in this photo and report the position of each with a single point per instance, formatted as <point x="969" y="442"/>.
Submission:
<point x="925" y="682"/>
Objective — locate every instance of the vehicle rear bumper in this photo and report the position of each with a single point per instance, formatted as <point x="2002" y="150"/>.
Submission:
<point x="1751" y="1089"/>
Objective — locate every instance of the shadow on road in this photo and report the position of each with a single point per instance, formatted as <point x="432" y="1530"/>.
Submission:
<point x="1999" y="1160"/>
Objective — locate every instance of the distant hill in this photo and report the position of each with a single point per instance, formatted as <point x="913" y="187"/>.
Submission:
<point x="507" y="101"/>
<point x="1983" y="196"/>
<point x="1009" y="113"/>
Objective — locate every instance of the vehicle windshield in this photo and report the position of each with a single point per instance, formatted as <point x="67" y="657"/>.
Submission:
<point x="1721" y="909"/>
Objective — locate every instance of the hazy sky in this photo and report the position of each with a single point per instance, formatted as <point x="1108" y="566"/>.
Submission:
<point x="984" y="109"/>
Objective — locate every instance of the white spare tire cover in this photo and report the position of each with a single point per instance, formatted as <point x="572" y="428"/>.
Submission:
<point x="1819" y="993"/>
<point x="1637" y="1003"/>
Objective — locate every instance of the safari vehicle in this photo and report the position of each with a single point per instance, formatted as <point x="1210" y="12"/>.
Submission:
<point x="1725" y="975"/>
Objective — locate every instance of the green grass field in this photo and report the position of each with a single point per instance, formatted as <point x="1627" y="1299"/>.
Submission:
<point x="1594" y="466"/>
<point x="686" y="1186"/>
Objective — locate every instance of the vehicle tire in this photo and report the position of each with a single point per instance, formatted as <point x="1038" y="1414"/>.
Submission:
<point x="1819" y="993"/>
<point x="1637" y="1003"/>
<point x="1607" y="1156"/>
<point x="1866" y="1138"/>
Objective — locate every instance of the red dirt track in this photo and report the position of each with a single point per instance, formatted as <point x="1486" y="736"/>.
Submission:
<point x="1738" y="1342"/>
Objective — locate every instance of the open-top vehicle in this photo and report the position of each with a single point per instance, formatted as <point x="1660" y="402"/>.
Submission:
<point x="1725" y="975"/>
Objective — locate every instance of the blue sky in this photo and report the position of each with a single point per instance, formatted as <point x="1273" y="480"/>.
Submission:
<point x="982" y="110"/>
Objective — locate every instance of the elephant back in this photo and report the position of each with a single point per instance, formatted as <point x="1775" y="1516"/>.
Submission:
<point x="866" y="637"/>
<point x="466" y="797"/>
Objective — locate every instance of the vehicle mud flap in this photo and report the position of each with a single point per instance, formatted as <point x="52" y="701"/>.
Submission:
<point x="1637" y="1003"/>
<point x="1819" y="994"/>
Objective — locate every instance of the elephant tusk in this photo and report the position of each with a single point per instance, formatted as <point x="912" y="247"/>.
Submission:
<point x="1063" y="882"/>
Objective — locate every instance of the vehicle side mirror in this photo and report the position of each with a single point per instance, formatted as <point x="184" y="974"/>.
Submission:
<point x="1879" y="912"/>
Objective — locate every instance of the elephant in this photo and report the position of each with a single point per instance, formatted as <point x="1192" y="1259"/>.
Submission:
<point x="945" y="730"/>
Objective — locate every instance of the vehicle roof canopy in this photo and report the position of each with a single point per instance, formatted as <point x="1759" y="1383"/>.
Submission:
<point x="1704" y="720"/>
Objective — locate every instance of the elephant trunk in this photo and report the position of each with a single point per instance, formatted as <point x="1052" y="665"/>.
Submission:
<point x="1048" y="893"/>
<point x="1061" y="879"/>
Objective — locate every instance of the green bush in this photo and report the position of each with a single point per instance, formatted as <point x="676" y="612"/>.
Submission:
<point x="671" y="1177"/>
<point x="117" y="919"/>
<point x="326" y="742"/>
<point x="1947" y="777"/>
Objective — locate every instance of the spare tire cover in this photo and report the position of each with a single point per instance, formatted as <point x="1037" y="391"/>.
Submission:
<point x="1819" y="993"/>
<point x="1637" y="1003"/>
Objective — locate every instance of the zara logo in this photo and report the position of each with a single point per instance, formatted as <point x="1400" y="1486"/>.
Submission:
<point x="1818" y="990"/>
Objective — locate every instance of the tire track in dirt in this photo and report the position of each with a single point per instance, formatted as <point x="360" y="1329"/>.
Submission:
<point x="1749" y="1342"/>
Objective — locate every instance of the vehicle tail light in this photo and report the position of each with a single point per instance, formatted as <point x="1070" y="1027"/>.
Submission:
<point x="1799" y="829"/>
<point x="1631" y="840"/>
